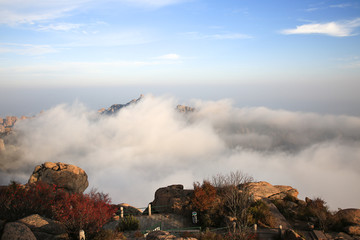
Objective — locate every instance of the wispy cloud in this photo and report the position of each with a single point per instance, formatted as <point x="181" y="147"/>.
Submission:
<point x="312" y="9"/>
<point x="60" y="27"/>
<point x="335" y="29"/>
<point x="14" y="12"/>
<point x="217" y="36"/>
<point x="170" y="56"/>
<point x="349" y="62"/>
<point x="321" y="6"/>
<point x="26" y="49"/>
<point x="153" y="3"/>
<point x="343" y="5"/>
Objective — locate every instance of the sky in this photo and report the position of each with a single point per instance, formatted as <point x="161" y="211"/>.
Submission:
<point x="297" y="55"/>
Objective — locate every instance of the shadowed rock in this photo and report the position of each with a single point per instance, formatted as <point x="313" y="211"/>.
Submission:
<point x="44" y="228"/>
<point x="17" y="231"/>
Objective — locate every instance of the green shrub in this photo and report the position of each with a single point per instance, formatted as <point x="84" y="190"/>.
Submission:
<point x="261" y="213"/>
<point x="128" y="223"/>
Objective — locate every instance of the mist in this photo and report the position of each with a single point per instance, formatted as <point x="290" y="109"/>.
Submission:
<point x="150" y="144"/>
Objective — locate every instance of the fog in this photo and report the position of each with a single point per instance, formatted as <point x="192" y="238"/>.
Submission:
<point x="150" y="144"/>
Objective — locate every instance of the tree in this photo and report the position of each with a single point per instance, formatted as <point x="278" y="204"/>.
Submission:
<point x="204" y="196"/>
<point x="236" y="199"/>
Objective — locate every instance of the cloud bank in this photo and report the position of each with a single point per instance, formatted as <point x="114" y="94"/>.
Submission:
<point x="150" y="145"/>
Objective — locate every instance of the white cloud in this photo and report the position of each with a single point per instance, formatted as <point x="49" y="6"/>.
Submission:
<point x="170" y="56"/>
<point x="60" y="27"/>
<point x="14" y="12"/>
<point x="344" y="5"/>
<point x="131" y="154"/>
<point x="26" y="49"/>
<point x="336" y="29"/>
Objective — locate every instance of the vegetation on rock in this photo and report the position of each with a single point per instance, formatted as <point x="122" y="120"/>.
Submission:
<point x="76" y="211"/>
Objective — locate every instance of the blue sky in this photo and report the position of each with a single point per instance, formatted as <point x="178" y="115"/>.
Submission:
<point x="84" y="43"/>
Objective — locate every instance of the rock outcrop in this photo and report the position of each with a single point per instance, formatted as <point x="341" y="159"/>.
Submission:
<point x="353" y="230"/>
<point x="159" y="235"/>
<point x="163" y="235"/>
<point x="17" y="231"/>
<point x="184" y="109"/>
<point x="351" y="219"/>
<point x="277" y="217"/>
<point x="260" y="190"/>
<point x="44" y="228"/>
<point x="66" y="176"/>
<point x="117" y="107"/>
<point x="171" y="199"/>
<point x="349" y="216"/>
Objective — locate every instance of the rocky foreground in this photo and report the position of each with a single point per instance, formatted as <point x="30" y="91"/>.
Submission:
<point x="172" y="208"/>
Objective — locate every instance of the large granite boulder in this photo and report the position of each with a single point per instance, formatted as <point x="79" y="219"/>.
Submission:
<point x="66" y="176"/>
<point x="44" y="228"/>
<point x="260" y="190"/>
<point x="171" y="199"/>
<point x="350" y="216"/>
<point x="353" y="230"/>
<point x="17" y="231"/>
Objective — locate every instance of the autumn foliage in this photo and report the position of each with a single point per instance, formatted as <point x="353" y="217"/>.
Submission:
<point x="76" y="211"/>
<point x="204" y="196"/>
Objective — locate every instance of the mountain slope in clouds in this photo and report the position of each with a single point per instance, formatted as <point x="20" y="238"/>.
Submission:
<point x="117" y="107"/>
<point x="151" y="144"/>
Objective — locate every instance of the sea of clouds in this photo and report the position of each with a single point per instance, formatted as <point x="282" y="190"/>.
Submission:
<point x="150" y="144"/>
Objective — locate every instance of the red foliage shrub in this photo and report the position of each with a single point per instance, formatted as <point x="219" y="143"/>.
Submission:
<point x="84" y="211"/>
<point x="77" y="211"/>
<point x="18" y="201"/>
<point x="204" y="196"/>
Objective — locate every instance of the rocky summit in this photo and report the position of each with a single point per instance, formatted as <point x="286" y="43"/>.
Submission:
<point x="117" y="107"/>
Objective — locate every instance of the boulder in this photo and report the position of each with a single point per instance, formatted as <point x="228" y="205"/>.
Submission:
<point x="260" y="190"/>
<point x="163" y="235"/>
<point x="17" y="231"/>
<point x="69" y="177"/>
<point x="159" y="235"/>
<point x="353" y="230"/>
<point x="171" y="199"/>
<point x="350" y="216"/>
<point x="278" y="218"/>
<point x="44" y="228"/>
